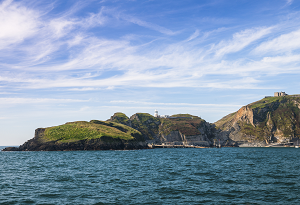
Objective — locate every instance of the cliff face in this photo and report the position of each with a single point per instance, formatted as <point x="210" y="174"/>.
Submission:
<point x="273" y="119"/>
<point x="179" y="129"/>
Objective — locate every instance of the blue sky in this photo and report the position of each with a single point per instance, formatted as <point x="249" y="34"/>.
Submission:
<point x="64" y="61"/>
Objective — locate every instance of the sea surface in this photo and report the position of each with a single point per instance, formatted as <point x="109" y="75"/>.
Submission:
<point x="157" y="176"/>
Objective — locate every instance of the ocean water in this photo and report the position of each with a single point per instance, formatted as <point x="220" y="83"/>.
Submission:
<point x="158" y="176"/>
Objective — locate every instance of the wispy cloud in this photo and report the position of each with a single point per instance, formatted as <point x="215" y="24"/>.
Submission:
<point x="173" y="104"/>
<point x="284" y="43"/>
<point x="47" y="50"/>
<point x="149" y="25"/>
<point x="240" y="40"/>
<point x="10" y="101"/>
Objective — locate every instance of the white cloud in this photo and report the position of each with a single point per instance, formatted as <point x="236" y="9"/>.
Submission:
<point x="194" y="35"/>
<point x="284" y="43"/>
<point x="130" y="18"/>
<point x="240" y="40"/>
<point x="185" y="63"/>
<point x="173" y="104"/>
<point x="16" y="23"/>
<point x="10" y="101"/>
<point x="286" y="59"/>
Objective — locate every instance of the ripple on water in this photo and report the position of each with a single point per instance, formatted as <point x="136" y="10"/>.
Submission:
<point x="159" y="176"/>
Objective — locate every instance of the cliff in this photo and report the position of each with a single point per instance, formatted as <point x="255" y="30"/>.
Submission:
<point x="81" y="135"/>
<point x="180" y="129"/>
<point x="273" y="119"/>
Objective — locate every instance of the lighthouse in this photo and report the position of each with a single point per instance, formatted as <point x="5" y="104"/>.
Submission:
<point x="155" y="113"/>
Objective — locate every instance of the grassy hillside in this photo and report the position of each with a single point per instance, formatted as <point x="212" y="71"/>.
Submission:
<point x="82" y="130"/>
<point x="119" y="118"/>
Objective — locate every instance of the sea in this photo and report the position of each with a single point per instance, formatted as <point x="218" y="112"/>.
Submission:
<point x="153" y="176"/>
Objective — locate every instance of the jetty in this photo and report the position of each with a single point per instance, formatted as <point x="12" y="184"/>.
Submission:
<point x="153" y="146"/>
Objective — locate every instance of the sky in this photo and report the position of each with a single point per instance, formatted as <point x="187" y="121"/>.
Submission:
<point x="64" y="61"/>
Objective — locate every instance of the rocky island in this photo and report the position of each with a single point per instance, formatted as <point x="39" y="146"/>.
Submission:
<point x="272" y="121"/>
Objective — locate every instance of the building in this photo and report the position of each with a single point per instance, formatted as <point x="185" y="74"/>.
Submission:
<point x="277" y="94"/>
<point x="156" y="113"/>
<point x="168" y="116"/>
<point x="160" y="116"/>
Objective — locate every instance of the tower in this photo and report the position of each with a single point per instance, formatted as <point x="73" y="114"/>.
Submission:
<point x="155" y="113"/>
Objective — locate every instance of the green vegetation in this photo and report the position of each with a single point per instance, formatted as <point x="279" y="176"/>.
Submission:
<point x="260" y="132"/>
<point x="120" y="118"/>
<point x="82" y="130"/>
<point x="146" y="124"/>
<point x="185" y="115"/>
<point x="272" y="100"/>
<point x="287" y="119"/>
<point x="223" y="123"/>
<point x="272" y="116"/>
<point x="187" y="126"/>
<point x="151" y="126"/>
<point x="275" y="113"/>
<point x="263" y="102"/>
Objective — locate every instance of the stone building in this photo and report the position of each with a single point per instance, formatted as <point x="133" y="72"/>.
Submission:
<point x="277" y="94"/>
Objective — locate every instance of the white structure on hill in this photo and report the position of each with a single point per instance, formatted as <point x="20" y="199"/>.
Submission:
<point x="168" y="116"/>
<point x="156" y="113"/>
<point x="276" y="94"/>
<point x="160" y="116"/>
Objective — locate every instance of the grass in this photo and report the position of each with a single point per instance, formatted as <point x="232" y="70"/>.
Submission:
<point x="185" y="115"/>
<point x="82" y="130"/>
<point x="271" y="100"/>
<point x="120" y="117"/>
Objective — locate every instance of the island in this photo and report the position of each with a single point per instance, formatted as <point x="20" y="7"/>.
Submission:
<point x="269" y="122"/>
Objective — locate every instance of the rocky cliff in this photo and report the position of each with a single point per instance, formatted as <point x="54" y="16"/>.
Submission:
<point x="179" y="129"/>
<point x="273" y="119"/>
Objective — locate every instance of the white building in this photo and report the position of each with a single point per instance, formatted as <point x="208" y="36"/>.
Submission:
<point x="276" y="94"/>
<point x="156" y="113"/>
<point x="160" y="116"/>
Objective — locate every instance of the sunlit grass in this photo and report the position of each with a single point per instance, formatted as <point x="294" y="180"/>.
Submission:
<point x="82" y="130"/>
